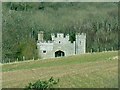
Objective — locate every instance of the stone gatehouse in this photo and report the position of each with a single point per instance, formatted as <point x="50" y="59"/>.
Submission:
<point x="60" y="46"/>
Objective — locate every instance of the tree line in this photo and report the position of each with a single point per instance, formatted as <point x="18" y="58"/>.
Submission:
<point x="23" y="20"/>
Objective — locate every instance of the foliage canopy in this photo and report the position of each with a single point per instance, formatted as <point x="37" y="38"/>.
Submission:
<point x="23" y="20"/>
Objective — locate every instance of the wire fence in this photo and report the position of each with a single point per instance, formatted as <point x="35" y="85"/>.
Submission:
<point x="15" y="60"/>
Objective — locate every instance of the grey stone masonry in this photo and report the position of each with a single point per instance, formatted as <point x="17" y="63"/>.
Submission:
<point x="61" y="46"/>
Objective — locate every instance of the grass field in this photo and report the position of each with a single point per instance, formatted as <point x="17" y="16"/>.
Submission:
<point x="95" y="70"/>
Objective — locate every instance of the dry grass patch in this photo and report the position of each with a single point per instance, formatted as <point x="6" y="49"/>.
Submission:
<point x="94" y="73"/>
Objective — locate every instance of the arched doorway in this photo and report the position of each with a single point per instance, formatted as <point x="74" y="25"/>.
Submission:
<point x="59" y="53"/>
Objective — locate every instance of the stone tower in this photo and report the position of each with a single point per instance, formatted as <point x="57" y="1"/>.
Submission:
<point x="80" y="44"/>
<point x="60" y="45"/>
<point x="40" y="36"/>
<point x="53" y="36"/>
<point x="67" y="37"/>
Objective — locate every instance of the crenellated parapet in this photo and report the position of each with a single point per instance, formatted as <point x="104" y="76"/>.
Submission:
<point x="60" y="45"/>
<point x="67" y="36"/>
<point x="52" y="36"/>
<point x="40" y="36"/>
<point x="81" y="36"/>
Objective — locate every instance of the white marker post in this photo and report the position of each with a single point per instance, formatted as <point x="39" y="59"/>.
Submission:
<point x="9" y="60"/>
<point x="91" y="51"/>
<point x="23" y="58"/>
<point x="17" y="59"/>
<point x="33" y="58"/>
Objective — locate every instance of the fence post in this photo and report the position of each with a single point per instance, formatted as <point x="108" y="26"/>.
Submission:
<point x="33" y="58"/>
<point x="23" y="58"/>
<point x="105" y="49"/>
<point x="91" y="50"/>
<point x="98" y="49"/>
<point x="17" y="59"/>
<point x="9" y="60"/>
<point x="112" y="48"/>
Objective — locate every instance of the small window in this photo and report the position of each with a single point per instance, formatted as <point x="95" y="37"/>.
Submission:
<point x="44" y="51"/>
<point x="59" y="41"/>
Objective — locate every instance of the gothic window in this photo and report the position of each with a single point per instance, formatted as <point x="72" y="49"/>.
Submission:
<point x="44" y="51"/>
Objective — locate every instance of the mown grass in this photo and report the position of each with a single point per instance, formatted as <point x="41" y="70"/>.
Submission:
<point x="96" y="70"/>
<point x="77" y="59"/>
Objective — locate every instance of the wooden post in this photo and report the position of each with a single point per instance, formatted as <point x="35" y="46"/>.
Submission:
<point x="105" y="49"/>
<point x="2" y="61"/>
<point x="91" y="51"/>
<point x="9" y="60"/>
<point x="17" y="59"/>
<point x="23" y="58"/>
<point x="33" y="58"/>
<point x="98" y="49"/>
<point x="112" y="48"/>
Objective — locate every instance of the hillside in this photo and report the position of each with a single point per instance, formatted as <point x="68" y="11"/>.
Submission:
<point x="96" y="70"/>
<point x="22" y="22"/>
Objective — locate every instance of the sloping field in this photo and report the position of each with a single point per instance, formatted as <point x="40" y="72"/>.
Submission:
<point x="83" y="71"/>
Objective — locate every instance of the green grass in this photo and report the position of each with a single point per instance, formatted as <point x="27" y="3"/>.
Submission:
<point x="77" y="59"/>
<point x="96" y="70"/>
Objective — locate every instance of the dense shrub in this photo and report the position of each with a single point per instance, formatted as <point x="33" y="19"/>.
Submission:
<point x="41" y="85"/>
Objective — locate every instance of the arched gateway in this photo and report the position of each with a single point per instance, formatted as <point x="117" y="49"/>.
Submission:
<point x="59" y="53"/>
<point x="60" y="45"/>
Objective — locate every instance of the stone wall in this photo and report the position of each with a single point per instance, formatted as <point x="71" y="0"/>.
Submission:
<point x="61" y="43"/>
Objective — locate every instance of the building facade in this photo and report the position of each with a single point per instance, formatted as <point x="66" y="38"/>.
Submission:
<point x="61" y="46"/>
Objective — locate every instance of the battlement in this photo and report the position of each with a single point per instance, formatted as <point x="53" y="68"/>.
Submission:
<point x="40" y="36"/>
<point x="59" y="35"/>
<point x="80" y="36"/>
<point x="60" y="45"/>
<point x="44" y="41"/>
